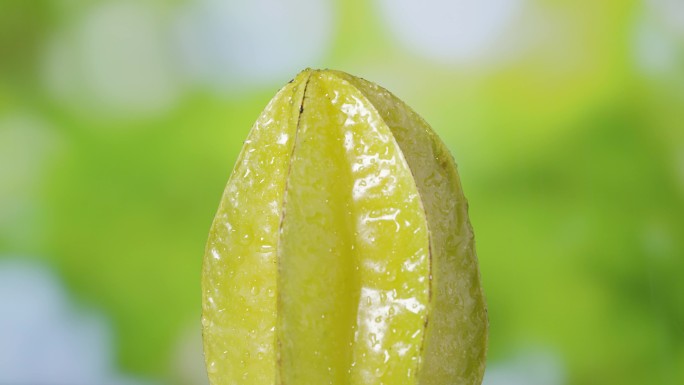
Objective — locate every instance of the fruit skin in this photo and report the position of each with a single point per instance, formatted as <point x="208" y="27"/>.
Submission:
<point x="341" y="252"/>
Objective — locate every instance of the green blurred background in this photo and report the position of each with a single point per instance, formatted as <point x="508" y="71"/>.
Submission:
<point x="120" y="122"/>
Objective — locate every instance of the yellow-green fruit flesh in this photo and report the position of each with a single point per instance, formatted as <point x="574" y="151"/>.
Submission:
<point x="342" y="252"/>
<point x="239" y="273"/>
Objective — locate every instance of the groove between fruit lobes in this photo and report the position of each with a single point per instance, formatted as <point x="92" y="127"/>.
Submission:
<point x="341" y="252"/>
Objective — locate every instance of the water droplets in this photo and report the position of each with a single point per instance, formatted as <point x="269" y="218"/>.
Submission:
<point x="212" y="367"/>
<point x="245" y="239"/>
<point x="373" y="339"/>
<point x="383" y="297"/>
<point x="282" y="138"/>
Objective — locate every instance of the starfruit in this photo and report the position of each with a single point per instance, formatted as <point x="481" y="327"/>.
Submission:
<point x="341" y="252"/>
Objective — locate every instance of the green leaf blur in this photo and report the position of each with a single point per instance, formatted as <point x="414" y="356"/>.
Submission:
<point x="570" y="146"/>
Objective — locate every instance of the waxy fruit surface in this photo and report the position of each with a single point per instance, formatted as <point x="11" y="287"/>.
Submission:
<point x="341" y="252"/>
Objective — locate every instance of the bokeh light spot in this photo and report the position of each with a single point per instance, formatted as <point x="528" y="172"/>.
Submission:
<point x="45" y="338"/>
<point x="453" y="31"/>
<point x="234" y="45"/>
<point x="116" y="59"/>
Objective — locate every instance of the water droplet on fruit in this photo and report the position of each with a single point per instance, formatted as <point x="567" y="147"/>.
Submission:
<point x="245" y="240"/>
<point x="373" y="339"/>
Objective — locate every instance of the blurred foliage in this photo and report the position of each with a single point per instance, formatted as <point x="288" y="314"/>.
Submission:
<point x="24" y="24"/>
<point x="571" y="155"/>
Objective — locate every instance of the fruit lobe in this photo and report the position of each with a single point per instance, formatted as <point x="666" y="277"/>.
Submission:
<point x="341" y="252"/>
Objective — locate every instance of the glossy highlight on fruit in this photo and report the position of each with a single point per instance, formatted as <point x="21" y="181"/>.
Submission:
<point x="341" y="252"/>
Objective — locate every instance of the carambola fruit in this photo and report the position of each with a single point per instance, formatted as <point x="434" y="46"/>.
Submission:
<point x="341" y="252"/>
